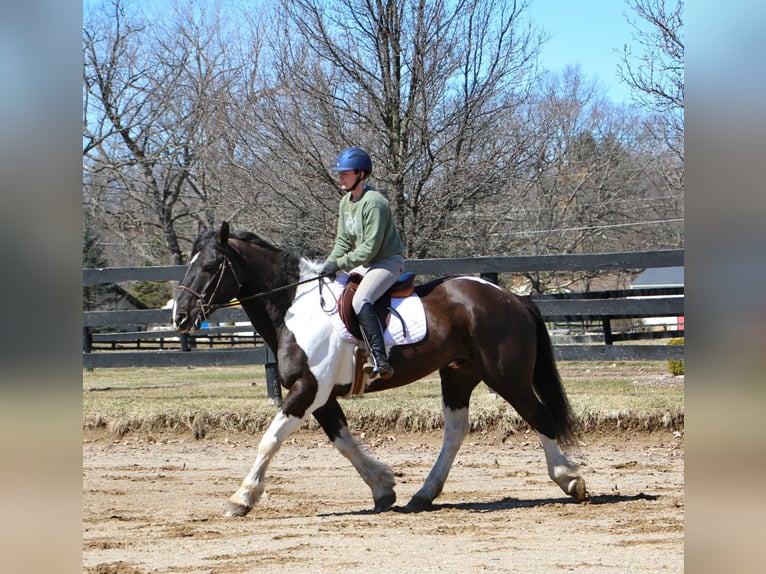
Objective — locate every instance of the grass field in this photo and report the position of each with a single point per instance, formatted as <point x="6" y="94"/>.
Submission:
<point x="629" y="395"/>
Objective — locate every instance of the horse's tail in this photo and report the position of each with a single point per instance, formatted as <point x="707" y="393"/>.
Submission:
<point x="547" y="383"/>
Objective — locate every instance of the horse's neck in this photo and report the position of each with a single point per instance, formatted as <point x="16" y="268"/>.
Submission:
<point x="264" y="324"/>
<point x="267" y="313"/>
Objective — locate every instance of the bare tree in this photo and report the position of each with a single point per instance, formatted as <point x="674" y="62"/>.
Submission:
<point x="421" y="85"/>
<point x="656" y="72"/>
<point x="586" y="185"/>
<point x="154" y="109"/>
<point x="193" y="116"/>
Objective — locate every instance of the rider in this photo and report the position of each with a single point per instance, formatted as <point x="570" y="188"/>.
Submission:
<point x="366" y="236"/>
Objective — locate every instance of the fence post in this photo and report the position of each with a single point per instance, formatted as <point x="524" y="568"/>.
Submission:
<point x="490" y="276"/>
<point x="87" y="340"/>
<point x="273" y="388"/>
<point x="87" y="343"/>
<point x="608" y="340"/>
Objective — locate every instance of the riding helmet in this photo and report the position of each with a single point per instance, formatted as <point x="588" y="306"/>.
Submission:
<point x="353" y="158"/>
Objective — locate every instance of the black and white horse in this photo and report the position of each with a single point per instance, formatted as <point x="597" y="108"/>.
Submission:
<point x="476" y="332"/>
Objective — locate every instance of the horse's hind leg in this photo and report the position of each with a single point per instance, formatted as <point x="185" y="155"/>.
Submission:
<point x="248" y="494"/>
<point x="378" y="476"/>
<point x="517" y="389"/>
<point x="457" y="386"/>
<point x="561" y="470"/>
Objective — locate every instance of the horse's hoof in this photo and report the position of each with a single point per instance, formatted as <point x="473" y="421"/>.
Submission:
<point x="234" y="509"/>
<point x="576" y="489"/>
<point x="385" y="502"/>
<point x="419" y="504"/>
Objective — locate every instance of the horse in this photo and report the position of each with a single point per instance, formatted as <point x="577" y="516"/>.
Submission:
<point x="476" y="331"/>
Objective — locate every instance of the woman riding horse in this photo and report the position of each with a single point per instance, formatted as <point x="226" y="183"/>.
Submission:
<point x="366" y="237"/>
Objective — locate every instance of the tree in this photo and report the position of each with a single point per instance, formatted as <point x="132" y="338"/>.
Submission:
<point x="195" y="115"/>
<point x="421" y="86"/>
<point x="154" y="110"/>
<point x="92" y="256"/>
<point x="585" y="183"/>
<point x="656" y="73"/>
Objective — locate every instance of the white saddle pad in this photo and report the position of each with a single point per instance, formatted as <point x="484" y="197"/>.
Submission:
<point x="406" y="325"/>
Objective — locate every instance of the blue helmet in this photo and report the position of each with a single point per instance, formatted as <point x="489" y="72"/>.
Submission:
<point x="353" y="158"/>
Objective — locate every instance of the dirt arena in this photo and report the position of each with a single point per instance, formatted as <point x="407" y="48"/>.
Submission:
<point x="155" y="504"/>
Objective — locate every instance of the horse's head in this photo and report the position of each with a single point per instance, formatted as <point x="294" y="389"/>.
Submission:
<point x="210" y="280"/>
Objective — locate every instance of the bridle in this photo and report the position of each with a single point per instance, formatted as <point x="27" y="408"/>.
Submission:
<point x="217" y="279"/>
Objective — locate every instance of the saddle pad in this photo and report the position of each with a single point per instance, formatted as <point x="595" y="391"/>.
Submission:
<point x="408" y="310"/>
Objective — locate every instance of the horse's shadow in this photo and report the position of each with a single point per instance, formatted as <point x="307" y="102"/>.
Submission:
<point x="507" y="503"/>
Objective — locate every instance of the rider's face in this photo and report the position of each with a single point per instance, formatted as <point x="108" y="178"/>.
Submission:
<point x="346" y="179"/>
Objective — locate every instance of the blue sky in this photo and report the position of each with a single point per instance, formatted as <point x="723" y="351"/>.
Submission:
<point x="588" y="33"/>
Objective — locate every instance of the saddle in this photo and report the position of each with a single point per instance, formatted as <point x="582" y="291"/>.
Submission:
<point x="404" y="287"/>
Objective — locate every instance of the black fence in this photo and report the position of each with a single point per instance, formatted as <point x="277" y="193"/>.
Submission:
<point x="596" y="325"/>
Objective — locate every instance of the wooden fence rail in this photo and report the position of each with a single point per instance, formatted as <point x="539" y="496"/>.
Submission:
<point x="106" y="333"/>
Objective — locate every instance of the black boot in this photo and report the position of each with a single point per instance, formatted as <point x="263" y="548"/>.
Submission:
<point x="372" y="333"/>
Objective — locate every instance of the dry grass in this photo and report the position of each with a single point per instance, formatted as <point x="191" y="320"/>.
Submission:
<point x="202" y="401"/>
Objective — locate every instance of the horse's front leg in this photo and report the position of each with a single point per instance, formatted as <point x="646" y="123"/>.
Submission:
<point x="249" y="493"/>
<point x="378" y="476"/>
<point x="457" y="386"/>
<point x="456" y="426"/>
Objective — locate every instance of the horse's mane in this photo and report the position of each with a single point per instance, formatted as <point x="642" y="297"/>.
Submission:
<point x="247" y="237"/>
<point x="202" y="238"/>
<point x="250" y="237"/>
<point x="255" y="239"/>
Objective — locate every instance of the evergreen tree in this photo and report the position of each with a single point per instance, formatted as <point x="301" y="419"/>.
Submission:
<point x="93" y="257"/>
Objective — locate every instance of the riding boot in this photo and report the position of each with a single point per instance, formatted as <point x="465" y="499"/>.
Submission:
<point x="372" y="333"/>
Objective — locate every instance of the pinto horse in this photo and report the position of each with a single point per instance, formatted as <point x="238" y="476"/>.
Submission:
<point x="477" y="332"/>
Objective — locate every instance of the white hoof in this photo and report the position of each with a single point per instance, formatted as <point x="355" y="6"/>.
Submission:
<point x="576" y="489"/>
<point x="234" y="509"/>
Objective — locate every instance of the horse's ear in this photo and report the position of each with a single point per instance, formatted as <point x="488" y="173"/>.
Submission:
<point x="223" y="234"/>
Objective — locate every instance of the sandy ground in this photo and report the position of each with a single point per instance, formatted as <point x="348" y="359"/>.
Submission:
<point x="155" y="504"/>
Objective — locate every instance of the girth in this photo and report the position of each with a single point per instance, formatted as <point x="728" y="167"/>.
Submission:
<point x="404" y="287"/>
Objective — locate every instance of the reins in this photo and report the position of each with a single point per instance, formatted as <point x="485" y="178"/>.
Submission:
<point x="271" y="292"/>
<point x="218" y="277"/>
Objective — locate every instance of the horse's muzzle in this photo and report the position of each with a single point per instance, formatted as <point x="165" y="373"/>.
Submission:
<point x="186" y="322"/>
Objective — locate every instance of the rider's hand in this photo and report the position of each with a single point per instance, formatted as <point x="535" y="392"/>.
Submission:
<point x="330" y="269"/>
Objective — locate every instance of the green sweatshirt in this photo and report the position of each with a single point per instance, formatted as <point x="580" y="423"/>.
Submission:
<point x="366" y="231"/>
